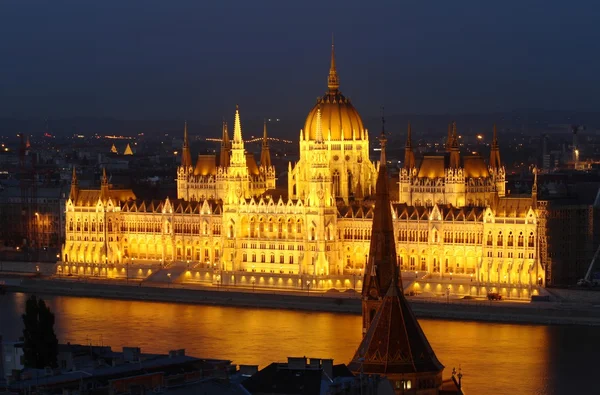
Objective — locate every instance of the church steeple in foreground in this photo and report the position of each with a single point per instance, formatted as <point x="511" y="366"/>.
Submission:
<point x="394" y="344"/>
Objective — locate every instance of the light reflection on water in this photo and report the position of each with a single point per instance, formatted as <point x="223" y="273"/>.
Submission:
<point x="497" y="358"/>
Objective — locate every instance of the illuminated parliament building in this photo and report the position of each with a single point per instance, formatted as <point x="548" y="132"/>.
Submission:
<point x="453" y="220"/>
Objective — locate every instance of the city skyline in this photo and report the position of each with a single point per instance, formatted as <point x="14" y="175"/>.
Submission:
<point x="185" y="61"/>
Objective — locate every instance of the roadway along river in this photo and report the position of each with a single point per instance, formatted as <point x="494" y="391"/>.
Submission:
<point x="495" y="358"/>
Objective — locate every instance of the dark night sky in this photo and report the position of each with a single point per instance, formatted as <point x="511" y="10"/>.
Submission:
<point x="197" y="58"/>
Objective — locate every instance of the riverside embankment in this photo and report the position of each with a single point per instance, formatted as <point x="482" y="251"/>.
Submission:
<point x="472" y="310"/>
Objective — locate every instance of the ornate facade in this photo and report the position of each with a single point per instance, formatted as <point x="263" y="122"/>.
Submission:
<point x="452" y="219"/>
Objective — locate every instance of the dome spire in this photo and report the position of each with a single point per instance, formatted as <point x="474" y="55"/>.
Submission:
<point x="333" y="82"/>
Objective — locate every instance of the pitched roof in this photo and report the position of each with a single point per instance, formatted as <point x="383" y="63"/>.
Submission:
<point x="433" y="166"/>
<point x="89" y="197"/>
<point x="395" y="342"/>
<point x="206" y="165"/>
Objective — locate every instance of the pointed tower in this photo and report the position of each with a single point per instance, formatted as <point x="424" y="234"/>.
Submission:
<point x="382" y="261"/>
<point x="449" y="139"/>
<point x="74" y="186"/>
<point x="394" y="345"/>
<point x="333" y="81"/>
<point x="225" y="147"/>
<point x="409" y="156"/>
<point x="186" y="156"/>
<point x="265" y="155"/>
<point x="534" y="189"/>
<point x="454" y="149"/>
<point x="495" y="151"/>
<point x="128" y="150"/>
<point x="238" y="153"/>
<point x="104" y="186"/>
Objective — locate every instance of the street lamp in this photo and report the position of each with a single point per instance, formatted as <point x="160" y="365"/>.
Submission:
<point x="307" y="287"/>
<point x="169" y="275"/>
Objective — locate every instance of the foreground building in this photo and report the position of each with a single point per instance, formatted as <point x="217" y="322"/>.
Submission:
<point x="453" y="220"/>
<point x="394" y="345"/>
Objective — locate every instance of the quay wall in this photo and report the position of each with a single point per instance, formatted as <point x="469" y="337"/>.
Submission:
<point x="472" y="310"/>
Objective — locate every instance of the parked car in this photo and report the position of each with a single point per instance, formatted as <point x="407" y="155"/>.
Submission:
<point x="494" y="296"/>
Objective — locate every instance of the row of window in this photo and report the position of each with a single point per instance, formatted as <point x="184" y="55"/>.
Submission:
<point x="356" y="234"/>
<point x="271" y="246"/>
<point x="511" y="239"/>
<point x="146" y="227"/>
<point x="263" y="258"/>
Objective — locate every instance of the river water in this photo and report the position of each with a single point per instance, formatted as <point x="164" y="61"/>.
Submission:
<point x="495" y="358"/>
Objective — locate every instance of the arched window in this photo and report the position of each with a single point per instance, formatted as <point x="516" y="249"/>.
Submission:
<point x="244" y="257"/>
<point x="531" y="240"/>
<point x="85" y="225"/>
<point x="336" y="183"/>
<point x="520" y="239"/>
<point x="71" y="225"/>
<point x="349" y="183"/>
<point x="289" y="227"/>
<point x="500" y="241"/>
<point x="101" y="226"/>
<point x="510" y="239"/>
<point x="299" y="227"/>
<point x="78" y="225"/>
<point x="291" y="259"/>
<point x="262" y="258"/>
<point x="272" y="258"/>
<point x="93" y="225"/>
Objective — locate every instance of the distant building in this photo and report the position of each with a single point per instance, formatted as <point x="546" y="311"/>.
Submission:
<point x="99" y="370"/>
<point x="45" y="227"/>
<point x="393" y="345"/>
<point x="453" y="218"/>
<point x="313" y="376"/>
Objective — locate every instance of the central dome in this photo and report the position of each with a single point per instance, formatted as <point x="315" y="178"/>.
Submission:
<point x="338" y="115"/>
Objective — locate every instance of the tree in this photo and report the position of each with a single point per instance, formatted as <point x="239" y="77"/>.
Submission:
<point x="40" y="346"/>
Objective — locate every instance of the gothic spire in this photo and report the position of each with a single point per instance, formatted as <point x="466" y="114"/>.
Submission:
<point x="495" y="151"/>
<point x="394" y="344"/>
<point x="186" y="156"/>
<point x="225" y="147"/>
<point x="449" y="139"/>
<point x="237" y="126"/>
<point x="381" y="264"/>
<point x="409" y="156"/>
<point x="265" y="155"/>
<point x="333" y="82"/>
<point x="534" y="188"/>
<point x="74" y="186"/>
<point x="454" y="149"/>
<point x="104" y="186"/>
